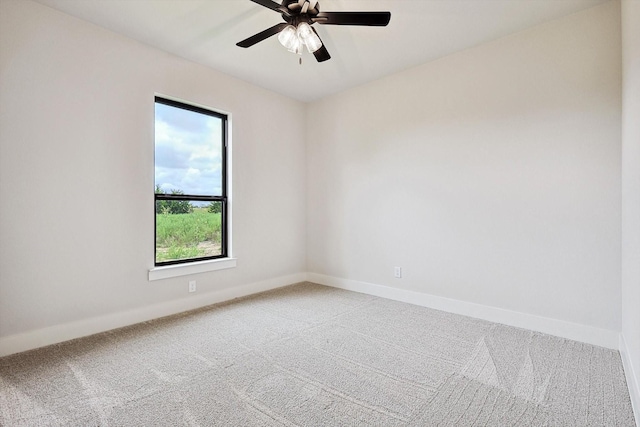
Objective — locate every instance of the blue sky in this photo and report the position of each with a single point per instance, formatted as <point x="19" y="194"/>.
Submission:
<point x="188" y="151"/>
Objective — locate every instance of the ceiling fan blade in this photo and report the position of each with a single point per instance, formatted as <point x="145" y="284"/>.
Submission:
<point x="374" y="19"/>
<point x="256" y="38"/>
<point x="273" y="6"/>
<point x="321" y="54"/>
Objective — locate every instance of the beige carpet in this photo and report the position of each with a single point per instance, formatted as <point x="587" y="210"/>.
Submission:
<point x="309" y="355"/>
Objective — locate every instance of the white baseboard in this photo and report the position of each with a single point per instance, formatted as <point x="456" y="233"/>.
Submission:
<point x="58" y="333"/>
<point x="631" y="373"/>
<point x="560" y="328"/>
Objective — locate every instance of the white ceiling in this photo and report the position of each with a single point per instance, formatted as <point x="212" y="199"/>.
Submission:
<point x="206" y="31"/>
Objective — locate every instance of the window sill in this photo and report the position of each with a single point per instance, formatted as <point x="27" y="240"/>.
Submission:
<point x="168" y="271"/>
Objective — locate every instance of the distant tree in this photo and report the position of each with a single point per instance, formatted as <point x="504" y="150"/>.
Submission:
<point x="179" y="206"/>
<point x="172" y="206"/>
<point x="214" y="207"/>
<point x="161" y="205"/>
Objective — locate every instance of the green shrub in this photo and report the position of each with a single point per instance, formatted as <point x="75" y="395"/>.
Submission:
<point x="172" y="207"/>
<point x="214" y="207"/>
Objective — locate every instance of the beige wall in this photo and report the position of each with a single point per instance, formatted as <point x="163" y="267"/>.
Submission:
<point x="631" y="196"/>
<point x="490" y="176"/>
<point x="77" y="180"/>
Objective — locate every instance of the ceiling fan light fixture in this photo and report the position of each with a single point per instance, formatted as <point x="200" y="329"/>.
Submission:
<point x="304" y="13"/>
<point x="309" y="37"/>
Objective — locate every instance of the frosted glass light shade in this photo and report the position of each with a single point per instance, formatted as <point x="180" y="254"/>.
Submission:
<point x="288" y="38"/>
<point x="309" y="37"/>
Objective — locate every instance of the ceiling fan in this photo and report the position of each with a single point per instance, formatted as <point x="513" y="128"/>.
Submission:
<point x="297" y="31"/>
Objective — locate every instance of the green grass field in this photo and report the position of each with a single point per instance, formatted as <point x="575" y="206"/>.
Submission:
<point x="191" y="235"/>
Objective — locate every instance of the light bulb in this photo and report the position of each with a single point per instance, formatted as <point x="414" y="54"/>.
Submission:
<point x="296" y="46"/>
<point x="309" y="37"/>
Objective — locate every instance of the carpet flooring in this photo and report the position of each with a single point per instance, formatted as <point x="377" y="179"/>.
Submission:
<point x="310" y="355"/>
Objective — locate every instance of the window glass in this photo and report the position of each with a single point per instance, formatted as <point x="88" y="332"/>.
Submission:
<point x="190" y="183"/>
<point x="188" y="151"/>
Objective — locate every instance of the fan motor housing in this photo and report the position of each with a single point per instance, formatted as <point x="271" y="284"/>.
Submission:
<point x="294" y="7"/>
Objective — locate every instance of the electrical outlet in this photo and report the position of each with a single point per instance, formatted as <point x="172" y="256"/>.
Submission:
<point x="397" y="272"/>
<point x="192" y="286"/>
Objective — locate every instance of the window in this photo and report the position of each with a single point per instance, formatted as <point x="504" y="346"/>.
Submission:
<point x="190" y="183"/>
